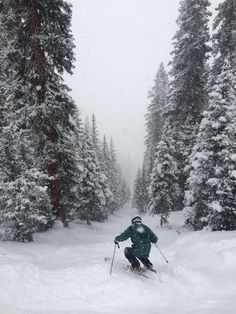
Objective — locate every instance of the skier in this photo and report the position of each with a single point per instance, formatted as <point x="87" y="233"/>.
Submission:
<point x="141" y="237"/>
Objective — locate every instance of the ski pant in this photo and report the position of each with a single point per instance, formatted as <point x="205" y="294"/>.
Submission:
<point x="134" y="261"/>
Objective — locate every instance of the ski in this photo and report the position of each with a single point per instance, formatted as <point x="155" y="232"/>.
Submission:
<point x="128" y="267"/>
<point x="108" y="259"/>
<point x="143" y="273"/>
<point x="140" y="274"/>
<point x="154" y="271"/>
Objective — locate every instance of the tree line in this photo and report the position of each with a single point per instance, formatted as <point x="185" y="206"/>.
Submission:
<point x="190" y="156"/>
<point x="52" y="166"/>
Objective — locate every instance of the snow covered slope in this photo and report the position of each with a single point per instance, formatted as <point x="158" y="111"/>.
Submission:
<point x="64" y="272"/>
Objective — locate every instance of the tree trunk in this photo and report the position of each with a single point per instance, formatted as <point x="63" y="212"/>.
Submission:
<point x="48" y="129"/>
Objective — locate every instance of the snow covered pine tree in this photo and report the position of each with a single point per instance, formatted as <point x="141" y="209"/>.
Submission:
<point x="163" y="189"/>
<point x="140" y="199"/>
<point x="213" y="158"/>
<point x="211" y="198"/>
<point x="224" y="39"/>
<point x="39" y="50"/>
<point x="188" y="88"/>
<point x="92" y="199"/>
<point x="155" y="119"/>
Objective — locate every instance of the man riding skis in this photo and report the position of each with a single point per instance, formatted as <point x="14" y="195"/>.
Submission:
<point x="141" y="238"/>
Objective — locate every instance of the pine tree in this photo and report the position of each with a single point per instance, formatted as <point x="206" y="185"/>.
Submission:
<point x="24" y="193"/>
<point x="154" y="118"/>
<point x="94" y="134"/>
<point x="224" y="39"/>
<point x="88" y="126"/>
<point x="106" y="161"/>
<point x="188" y="87"/>
<point x="91" y="194"/>
<point x="40" y="49"/>
<point x="25" y="207"/>
<point x="125" y="191"/>
<point x="114" y="178"/>
<point x="140" y="192"/>
<point x="163" y="189"/>
<point x="211" y="197"/>
<point x="105" y="165"/>
<point x="74" y="165"/>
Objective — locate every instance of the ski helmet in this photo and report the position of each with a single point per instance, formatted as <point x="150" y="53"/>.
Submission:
<point x="136" y="219"/>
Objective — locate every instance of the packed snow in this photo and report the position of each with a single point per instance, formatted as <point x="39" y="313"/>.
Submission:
<point x="64" y="272"/>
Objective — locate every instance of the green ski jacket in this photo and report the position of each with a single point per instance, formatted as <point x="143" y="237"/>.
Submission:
<point x="141" y="237"/>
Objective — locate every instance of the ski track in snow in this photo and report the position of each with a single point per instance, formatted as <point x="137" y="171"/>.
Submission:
<point x="64" y="272"/>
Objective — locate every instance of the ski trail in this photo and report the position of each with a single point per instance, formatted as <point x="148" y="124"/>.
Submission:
<point x="64" y="271"/>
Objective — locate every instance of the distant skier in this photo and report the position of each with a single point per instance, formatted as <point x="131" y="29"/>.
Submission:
<point x="141" y="237"/>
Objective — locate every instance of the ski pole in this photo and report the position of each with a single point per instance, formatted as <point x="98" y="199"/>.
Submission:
<point x="116" y="244"/>
<point x="161" y="253"/>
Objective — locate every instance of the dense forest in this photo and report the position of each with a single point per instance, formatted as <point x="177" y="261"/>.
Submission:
<point x="53" y="166"/>
<point x="190" y="157"/>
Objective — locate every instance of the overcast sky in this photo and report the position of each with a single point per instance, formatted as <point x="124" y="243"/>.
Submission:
<point x="119" y="46"/>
